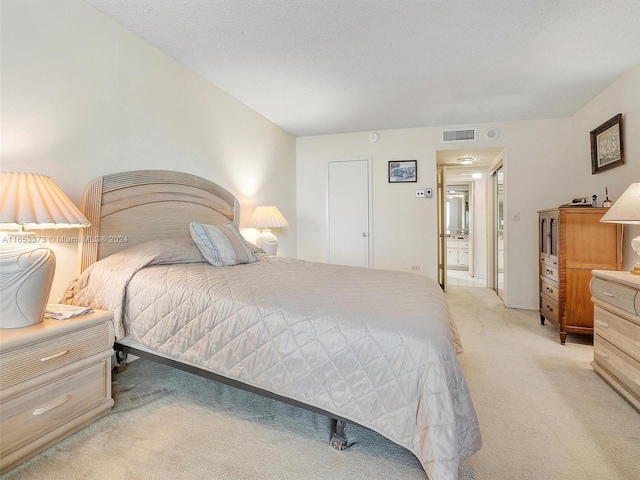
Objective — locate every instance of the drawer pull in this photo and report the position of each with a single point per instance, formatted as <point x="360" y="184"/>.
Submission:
<point x="602" y="324"/>
<point x="56" y="355"/>
<point x="549" y="271"/>
<point x="549" y="308"/>
<point x="612" y="295"/>
<point x="52" y="405"/>
<point x="602" y="354"/>
<point x="549" y="289"/>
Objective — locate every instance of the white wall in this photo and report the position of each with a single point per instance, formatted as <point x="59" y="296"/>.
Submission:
<point x="405" y="228"/>
<point x="623" y="96"/>
<point x="547" y="162"/>
<point x="83" y="97"/>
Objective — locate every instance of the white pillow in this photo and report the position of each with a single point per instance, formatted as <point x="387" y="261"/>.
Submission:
<point x="221" y="245"/>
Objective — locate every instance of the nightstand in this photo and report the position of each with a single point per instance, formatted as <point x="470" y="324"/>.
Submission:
<point x="55" y="379"/>
<point x="616" y="296"/>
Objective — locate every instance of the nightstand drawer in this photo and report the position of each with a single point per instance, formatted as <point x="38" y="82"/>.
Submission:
<point x="33" y="414"/>
<point x="622" y="367"/>
<point x="21" y="364"/>
<point x="615" y="294"/>
<point x="619" y="332"/>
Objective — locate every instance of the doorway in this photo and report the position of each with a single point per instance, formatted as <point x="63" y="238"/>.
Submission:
<point x="465" y="214"/>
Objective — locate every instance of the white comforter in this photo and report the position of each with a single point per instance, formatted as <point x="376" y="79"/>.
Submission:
<point x="373" y="346"/>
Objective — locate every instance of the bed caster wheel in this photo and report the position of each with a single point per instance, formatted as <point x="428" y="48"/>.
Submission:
<point x="337" y="442"/>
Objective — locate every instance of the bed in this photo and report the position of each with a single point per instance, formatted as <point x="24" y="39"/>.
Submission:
<point x="372" y="347"/>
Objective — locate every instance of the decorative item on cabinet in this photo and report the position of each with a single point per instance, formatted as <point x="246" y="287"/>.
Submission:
<point x="607" y="203"/>
<point x="572" y="242"/>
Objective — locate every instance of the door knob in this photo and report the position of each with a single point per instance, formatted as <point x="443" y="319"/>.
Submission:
<point x="364" y="234"/>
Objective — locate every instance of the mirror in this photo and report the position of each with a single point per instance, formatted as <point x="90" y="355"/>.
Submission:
<point x="457" y="210"/>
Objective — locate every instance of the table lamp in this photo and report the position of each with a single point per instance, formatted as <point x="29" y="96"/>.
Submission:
<point x="267" y="218"/>
<point x="626" y="210"/>
<point x="29" y="201"/>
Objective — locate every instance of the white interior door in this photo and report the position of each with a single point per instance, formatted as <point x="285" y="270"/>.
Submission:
<point x="349" y="212"/>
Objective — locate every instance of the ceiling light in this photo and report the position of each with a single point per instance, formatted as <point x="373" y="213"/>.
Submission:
<point x="466" y="160"/>
<point x="476" y="175"/>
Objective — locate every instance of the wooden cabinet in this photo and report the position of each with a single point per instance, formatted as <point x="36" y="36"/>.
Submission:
<point x="616" y="343"/>
<point x="572" y="242"/>
<point x="55" y="379"/>
<point x="458" y="253"/>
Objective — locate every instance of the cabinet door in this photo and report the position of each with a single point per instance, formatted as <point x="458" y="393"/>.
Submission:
<point x="452" y="256"/>
<point x="543" y="234"/>
<point x="463" y="256"/>
<point x="554" y="225"/>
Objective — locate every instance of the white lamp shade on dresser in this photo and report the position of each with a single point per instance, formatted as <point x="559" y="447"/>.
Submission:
<point x="626" y="210"/>
<point x="26" y="265"/>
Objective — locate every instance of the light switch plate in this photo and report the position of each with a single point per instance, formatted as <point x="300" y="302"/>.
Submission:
<point x="419" y="193"/>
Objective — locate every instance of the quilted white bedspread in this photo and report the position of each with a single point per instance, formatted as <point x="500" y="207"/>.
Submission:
<point x="373" y="346"/>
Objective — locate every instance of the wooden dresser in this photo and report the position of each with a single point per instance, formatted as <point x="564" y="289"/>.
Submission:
<point x="572" y="243"/>
<point x="616" y="343"/>
<point x="55" y="379"/>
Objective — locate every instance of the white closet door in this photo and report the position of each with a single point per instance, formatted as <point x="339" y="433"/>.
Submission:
<point x="348" y="215"/>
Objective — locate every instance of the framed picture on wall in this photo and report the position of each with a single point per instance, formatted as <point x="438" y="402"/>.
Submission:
<point x="401" y="171"/>
<point x="607" y="147"/>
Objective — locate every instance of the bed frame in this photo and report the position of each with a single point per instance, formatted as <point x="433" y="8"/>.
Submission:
<point x="128" y="208"/>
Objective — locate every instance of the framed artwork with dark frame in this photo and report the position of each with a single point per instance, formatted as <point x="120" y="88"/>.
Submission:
<point x="402" y="171"/>
<point x="607" y="147"/>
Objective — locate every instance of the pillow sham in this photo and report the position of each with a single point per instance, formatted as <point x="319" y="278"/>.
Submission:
<point x="221" y="245"/>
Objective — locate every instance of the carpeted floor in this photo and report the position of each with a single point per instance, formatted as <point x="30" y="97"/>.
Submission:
<point x="543" y="413"/>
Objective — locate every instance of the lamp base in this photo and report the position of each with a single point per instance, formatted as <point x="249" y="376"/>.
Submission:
<point x="26" y="275"/>
<point x="268" y="242"/>
<point x="635" y="245"/>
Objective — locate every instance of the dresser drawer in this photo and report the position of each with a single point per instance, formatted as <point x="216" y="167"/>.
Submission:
<point x="615" y="294"/>
<point x="549" y="270"/>
<point x="549" y="309"/>
<point x="29" y="416"/>
<point x="21" y="364"/>
<point x="622" y="367"/>
<point x="619" y="332"/>
<point x="550" y="289"/>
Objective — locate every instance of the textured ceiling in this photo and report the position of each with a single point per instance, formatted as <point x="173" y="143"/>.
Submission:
<point x="332" y="66"/>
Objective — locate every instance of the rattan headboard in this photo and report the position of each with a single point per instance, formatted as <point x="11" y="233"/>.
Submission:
<point x="128" y="208"/>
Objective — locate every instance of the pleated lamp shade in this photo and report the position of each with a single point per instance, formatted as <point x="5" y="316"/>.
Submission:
<point x="29" y="201"/>
<point x="267" y="217"/>
<point x="626" y="210"/>
<point x="35" y="202"/>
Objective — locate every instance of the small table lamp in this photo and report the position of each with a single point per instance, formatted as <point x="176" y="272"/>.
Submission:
<point x="26" y="264"/>
<point x="267" y="218"/>
<point x="626" y="210"/>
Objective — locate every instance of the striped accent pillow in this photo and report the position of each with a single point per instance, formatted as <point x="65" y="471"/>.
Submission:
<point x="221" y="245"/>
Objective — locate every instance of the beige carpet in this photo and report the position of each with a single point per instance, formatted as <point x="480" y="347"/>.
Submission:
<point x="543" y="413"/>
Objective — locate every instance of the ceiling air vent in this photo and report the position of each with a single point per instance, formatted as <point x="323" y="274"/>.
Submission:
<point x="467" y="135"/>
